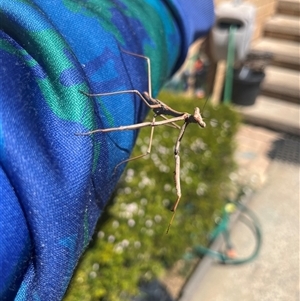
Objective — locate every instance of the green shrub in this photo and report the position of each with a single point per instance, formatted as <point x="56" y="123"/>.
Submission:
<point x="130" y="243"/>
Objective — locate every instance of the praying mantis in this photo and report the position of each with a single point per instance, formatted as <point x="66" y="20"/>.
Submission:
<point x="161" y="109"/>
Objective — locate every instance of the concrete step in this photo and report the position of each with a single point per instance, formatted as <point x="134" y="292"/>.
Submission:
<point x="281" y="83"/>
<point x="285" y="53"/>
<point x="289" y="7"/>
<point x="274" y="114"/>
<point x="283" y="27"/>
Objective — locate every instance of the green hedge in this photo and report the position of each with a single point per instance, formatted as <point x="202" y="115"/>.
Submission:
<point x="130" y="243"/>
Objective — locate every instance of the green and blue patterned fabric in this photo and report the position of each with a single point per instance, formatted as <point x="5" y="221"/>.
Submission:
<point x="53" y="183"/>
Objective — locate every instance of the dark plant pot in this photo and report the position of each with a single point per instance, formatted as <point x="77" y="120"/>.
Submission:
<point x="246" y="86"/>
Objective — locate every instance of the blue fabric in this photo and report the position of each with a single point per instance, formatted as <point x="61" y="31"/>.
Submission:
<point x="54" y="184"/>
<point x="194" y="19"/>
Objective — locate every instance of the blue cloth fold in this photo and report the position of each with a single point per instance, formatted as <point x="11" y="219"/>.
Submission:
<point x="54" y="184"/>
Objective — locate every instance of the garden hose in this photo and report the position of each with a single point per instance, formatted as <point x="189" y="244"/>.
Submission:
<point x="229" y="65"/>
<point x="244" y="215"/>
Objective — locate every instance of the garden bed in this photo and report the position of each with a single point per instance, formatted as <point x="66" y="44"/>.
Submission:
<point x="130" y="246"/>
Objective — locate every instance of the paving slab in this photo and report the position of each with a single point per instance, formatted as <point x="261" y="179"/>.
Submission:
<point x="252" y="154"/>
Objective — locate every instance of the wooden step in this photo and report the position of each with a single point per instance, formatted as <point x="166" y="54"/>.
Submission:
<point x="283" y="27"/>
<point x="289" y="7"/>
<point x="285" y="53"/>
<point x="281" y="83"/>
<point x="272" y="113"/>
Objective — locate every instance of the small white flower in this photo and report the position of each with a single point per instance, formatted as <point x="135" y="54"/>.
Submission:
<point x="141" y="212"/>
<point x="125" y="243"/>
<point x="149" y="223"/>
<point x="96" y="266"/>
<point x="125" y="214"/>
<point x="154" y="156"/>
<point x="188" y="180"/>
<point x="130" y="172"/>
<point x="163" y="150"/>
<point x="111" y="238"/>
<point x="201" y="189"/>
<point x="144" y="201"/>
<point x="164" y="168"/>
<point x="157" y="218"/>
<point x="93" y="274"/>
<point x="122" y="205"/>
<point x="131" y="222"/>
<point x="127" y="190"/>
<point x="150" y="232"/>
<point x="132" y="207"/>
<point x="197" y="145"/>
<point x="100" y="234"/>
<point x="115" y="224"/>
<point x="137" y="244"/>
<point x="118" y="248"/>
<point x="145" y="182"/>
<point x="226" y="124"/>
<point x="167" y="187"/>
<point x="144" y="149"/>
<point x="207" y="153"/>
<point x="213" y="122"/>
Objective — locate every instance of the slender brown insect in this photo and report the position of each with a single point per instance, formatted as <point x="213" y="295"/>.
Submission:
<point x="160" y="109"/>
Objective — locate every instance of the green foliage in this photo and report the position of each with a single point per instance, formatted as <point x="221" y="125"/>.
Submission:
<point x="130" y="244"/>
